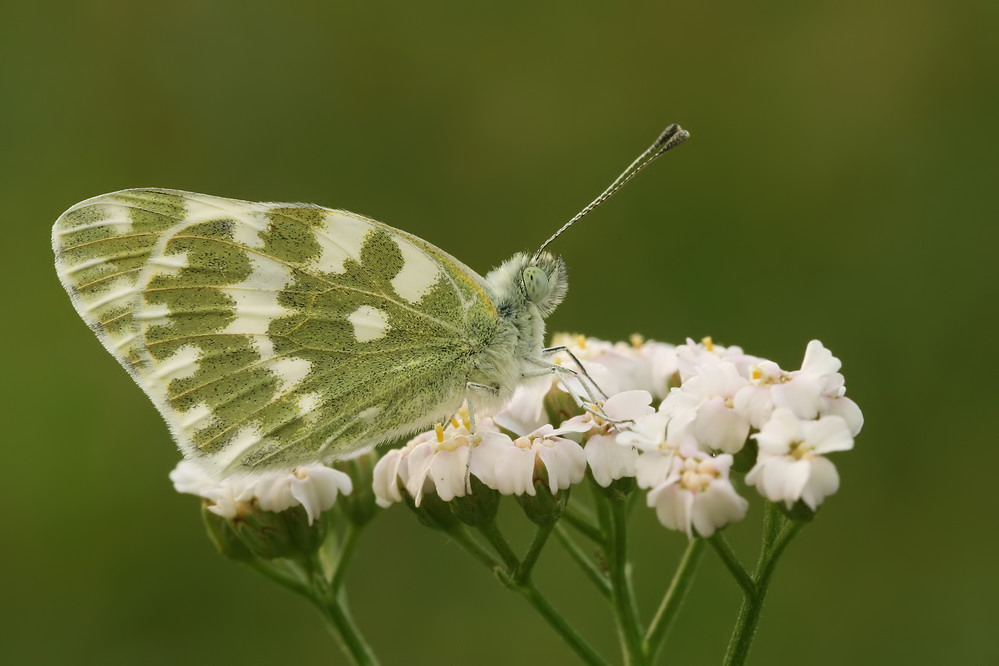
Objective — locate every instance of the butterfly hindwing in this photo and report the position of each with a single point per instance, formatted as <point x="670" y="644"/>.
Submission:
<point x="272" y="334"/>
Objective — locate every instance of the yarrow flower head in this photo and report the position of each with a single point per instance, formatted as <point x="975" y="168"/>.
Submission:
<point x="702" y="409"/>
<point x="792" y="465"/>
<point x="711" y="398"/>
<point x="513" y="466"/>
<point x="434" y="461"/>
<point x="695" y="493"/>
<point x="313" y="487"/>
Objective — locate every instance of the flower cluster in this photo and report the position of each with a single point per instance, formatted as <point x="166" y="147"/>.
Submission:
<point x="673" y="418"/>
<point x="313" y="487"/>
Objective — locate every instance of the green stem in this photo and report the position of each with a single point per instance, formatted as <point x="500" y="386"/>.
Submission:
<point x="348" y="546"/>
<point x="583" y="522"/>
<point x="496" y="539"/>
<point x="729" y="559"/>
<point x="341" y="624"/>
<point x="281" y="575"/>
<point x="614" y="519"/>
<point x="576" y="642"/>
<point x="577" y="554"/>
<point x="525" y="587"/>
<point x="673" y="599"/>
<point x="777" y="535"/>
<point x="461" y="537"/>
<point x="523" y="572"/>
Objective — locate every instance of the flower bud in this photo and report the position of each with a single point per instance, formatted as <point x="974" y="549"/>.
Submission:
<point x="799" y="512"/>
<point x="269" y="534"/>
<point x="433" y="512"/>
<point x="222" y="536"/>
<point x="543" y="508"/>
<point x="479" y="508"/>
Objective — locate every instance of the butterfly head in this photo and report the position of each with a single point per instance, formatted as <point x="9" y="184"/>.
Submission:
<point x="523" y="279"/>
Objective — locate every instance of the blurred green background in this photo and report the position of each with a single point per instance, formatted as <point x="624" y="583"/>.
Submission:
<point x="840" y="183"/>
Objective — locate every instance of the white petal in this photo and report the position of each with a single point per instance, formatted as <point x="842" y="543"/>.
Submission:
<point x="316" y="488"/>
<point x="828" y="434"/>
<point x="273" y="492"/>
<point x="504" y="466"/>
<point x="777" y="434"/>
<point x="654" y="468"/>
<point x="795" y="478"/>
<point x="417" y="468"/>
<point x="801" y="395"/>
<point x="629" y="405"/>
<point x="672" y="506"/>
<point x="716" y="507"/>
<point x="189" y="478"/>
<point x="819" y="360"/>
<point x="565" y="462"/>
<point x="385" y="481"/>
<point x="755" y="403"/>
<point x="647" y="433"/>
<point x="526" y="410"/>
<point x="847" y="410"/>
<point x="609" y="460"/>
<point x="824" y="481"/>
<point x="720" y="428"/>
<point x="447" y="471"/>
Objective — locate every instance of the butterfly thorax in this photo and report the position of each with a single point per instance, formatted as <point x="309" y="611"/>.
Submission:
<point x="514" y="350"/>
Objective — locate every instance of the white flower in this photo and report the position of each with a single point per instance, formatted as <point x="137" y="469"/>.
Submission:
<point x="647" y="433"/>
<point x="695" y="354"/>
<point x="816" y="389"/>
<point x="621" y="366"/>
<point x="526" y="410"/>
<point x="608" y="459"/>
<point x="697" y="495"/>
<point x="702" y="408"/>
<point x="433" y="461"/>
<point x="511" y="466"/>
<point x="314" y="487"/>
<point x="791" y="465"/>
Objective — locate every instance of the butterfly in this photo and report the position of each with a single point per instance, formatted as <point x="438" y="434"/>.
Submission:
<point x="271" y="335"/>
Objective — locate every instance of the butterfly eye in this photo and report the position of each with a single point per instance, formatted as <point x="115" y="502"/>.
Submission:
<point x="536" y="283"/>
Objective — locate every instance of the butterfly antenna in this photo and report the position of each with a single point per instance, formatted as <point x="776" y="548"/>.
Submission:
<point x="671" y="137"/>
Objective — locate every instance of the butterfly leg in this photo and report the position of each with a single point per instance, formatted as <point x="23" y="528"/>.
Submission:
<point x="593" y="407"/>
<point x="470" y="387"/>
<point x="550" y="351"/>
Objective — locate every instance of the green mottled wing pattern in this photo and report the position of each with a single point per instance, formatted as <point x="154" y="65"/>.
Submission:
<point x="270" y="335"/>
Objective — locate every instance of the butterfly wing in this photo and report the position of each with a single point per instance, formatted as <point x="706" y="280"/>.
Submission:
<point x="270" y="335"/>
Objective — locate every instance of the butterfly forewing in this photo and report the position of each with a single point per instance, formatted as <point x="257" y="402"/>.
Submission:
<point x="272" y="334"/>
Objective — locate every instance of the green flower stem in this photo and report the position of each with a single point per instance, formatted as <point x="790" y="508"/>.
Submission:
<point x="348" y="546"/>
<point x="576" y="642"/>
<point x="523" y="572"/>
<point x="524" y="588"/>
<point x="282" y="575"/>
<point x="341" y="624"/>
<point x="778" y="533"/>
<point x="733" y="564"/>
<point x="577" y="554"/>
<point x="461" y="537"/>
<point x="614" y="520"/>
<point x="306" y="578"/>
<point x="583" y="522"/>
<point x="673" y="599"/>
<point x="496" y="539"/>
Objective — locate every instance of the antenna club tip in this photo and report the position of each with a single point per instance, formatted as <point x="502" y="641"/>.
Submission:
<point x="673" y="136"/>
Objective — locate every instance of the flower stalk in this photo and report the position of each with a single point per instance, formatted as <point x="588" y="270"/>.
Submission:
<point x="778" y="533"/>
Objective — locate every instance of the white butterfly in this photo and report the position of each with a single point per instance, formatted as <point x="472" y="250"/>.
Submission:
<point x="273" y="335"/>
